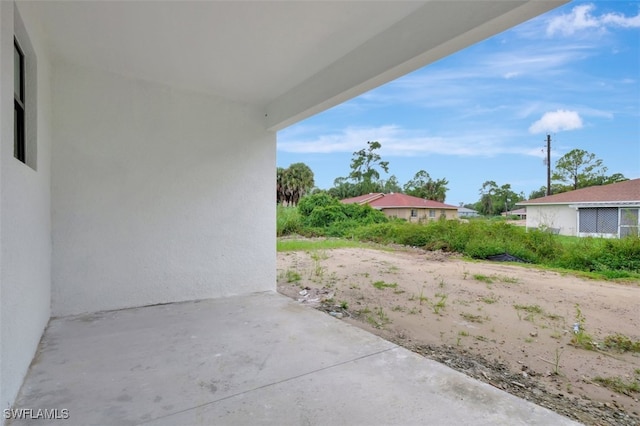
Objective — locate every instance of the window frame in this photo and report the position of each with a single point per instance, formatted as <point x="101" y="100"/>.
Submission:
<point x="19" y="106"/>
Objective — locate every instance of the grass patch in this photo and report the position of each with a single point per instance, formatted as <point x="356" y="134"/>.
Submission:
<point x="483" y="278"/>
<point x="617" y="384"/>
<point x="532" y="309"/>
<point x="292" y="276"/>
<point x="379" y="318"/>
<point x="284" y="245"/>
<point x="489" y="300"/>
<point x="381" y="285"/>
<point x="471" y="317"/>
<point x="622" y="343"/>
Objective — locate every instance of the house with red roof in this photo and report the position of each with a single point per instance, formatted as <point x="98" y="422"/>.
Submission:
<point x="407" y="207"/>
<point x="598" y="211"/>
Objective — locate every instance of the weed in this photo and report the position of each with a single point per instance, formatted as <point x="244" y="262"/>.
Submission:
<point x="318" y="270"/>
<point x="379" y="319"/>
<point x="528" y="340"/>
<point x="532" y="309"/>
<point x="392" y="269"/>
<point x="318" y="255"/>
<point x="617" y="384"/>
<point x="489" y="300"/>
<point x="381" y="285"/>
<point x="506" y="279"/>
<point x="441" y="283"/>
<point x="471" y="317"/>
<point x="397" y="308"/>
<point x="333" y="279"/>
<point x="414" y="311"/>
<point x="483" y="278"/>
<point x="622" y="343"/>
<point x="398" y="291"/>
<point x="440" y="304"/>
<point x="422" y="297"/>
<point x="364" y="311"/>
<point x="580" y="337"/>
<point x="291" y="276"/>
<point x="556" y="364"/>
<point x="344" y="305"/>
<point x="463" y="333"/>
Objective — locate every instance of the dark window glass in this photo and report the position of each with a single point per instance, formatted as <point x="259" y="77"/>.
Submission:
<point x="19" y="140"/>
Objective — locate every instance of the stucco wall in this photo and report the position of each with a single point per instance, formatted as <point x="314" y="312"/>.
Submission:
<point x="422" y="214"/>
<point x="560" y="217"/>
<point x="25" y="225"/>
<point x="159" y="195"/>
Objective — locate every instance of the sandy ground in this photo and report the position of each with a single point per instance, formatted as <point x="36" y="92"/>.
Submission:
<point x="506" y="324"/>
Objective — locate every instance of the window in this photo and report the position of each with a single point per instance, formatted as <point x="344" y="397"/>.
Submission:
<point x="25" y="95"/>
<point x="432" y="213"/>
<point x="602" y="220"/>
<point x="19" y="140"/>
<point x="629" y="222"/>
<point x="414" y="213"/>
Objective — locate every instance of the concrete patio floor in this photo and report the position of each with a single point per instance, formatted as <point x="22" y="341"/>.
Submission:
<point x="250" y="360"/>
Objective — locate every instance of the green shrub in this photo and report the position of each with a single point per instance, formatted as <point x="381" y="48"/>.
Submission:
<point x="321" y="217"/>
<point x="309" y="203"/>
<point x="481" y="248"/>
<point x="288" y="221"/>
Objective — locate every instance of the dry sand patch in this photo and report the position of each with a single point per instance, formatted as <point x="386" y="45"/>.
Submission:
<point x="506" y="324"/>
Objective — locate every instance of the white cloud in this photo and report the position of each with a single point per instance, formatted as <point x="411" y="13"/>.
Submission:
<point x="350" y="139"/>
<point x="400" y="142"/>
<point x="557" y="121"/>
<point x="581" y="18"/>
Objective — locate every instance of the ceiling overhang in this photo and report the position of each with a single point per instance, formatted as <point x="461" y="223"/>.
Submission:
<point x="292" y="59"/>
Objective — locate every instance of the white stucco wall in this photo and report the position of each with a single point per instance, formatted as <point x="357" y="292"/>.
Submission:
<point x="159" y="195"/>
<point x="561" y="217"/>
<point x="25" y="225"/>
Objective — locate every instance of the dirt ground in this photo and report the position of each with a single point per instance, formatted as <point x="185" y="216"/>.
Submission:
<point x="509" y="325"/>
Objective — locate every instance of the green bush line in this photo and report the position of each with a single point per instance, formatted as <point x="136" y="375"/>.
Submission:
<point x="322" y="215"/>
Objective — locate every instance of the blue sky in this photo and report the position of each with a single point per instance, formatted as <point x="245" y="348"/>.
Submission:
<point x="483" y="113"/>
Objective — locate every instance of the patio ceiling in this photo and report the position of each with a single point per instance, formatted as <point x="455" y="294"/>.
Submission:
<point x="291" y="58"/>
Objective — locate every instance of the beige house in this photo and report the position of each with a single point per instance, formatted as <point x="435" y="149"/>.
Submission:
<point x="407" y="207"/>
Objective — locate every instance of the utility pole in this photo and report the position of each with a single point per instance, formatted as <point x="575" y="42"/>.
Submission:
<point x="548" y="165"/>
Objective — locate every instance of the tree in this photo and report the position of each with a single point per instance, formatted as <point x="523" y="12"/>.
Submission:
<point x="538" y="193"/>
<point x="423" y="186"/>
<point x="293" y="183"/>
<point x="391" y="185"/>
<point x="496" y="199"/>
<point x="485" y="205"/>
<point x="578" y="169"/>
<point x="364" y="168"/>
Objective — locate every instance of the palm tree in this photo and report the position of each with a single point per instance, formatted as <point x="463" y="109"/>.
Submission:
<point x="293" y="183"/>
